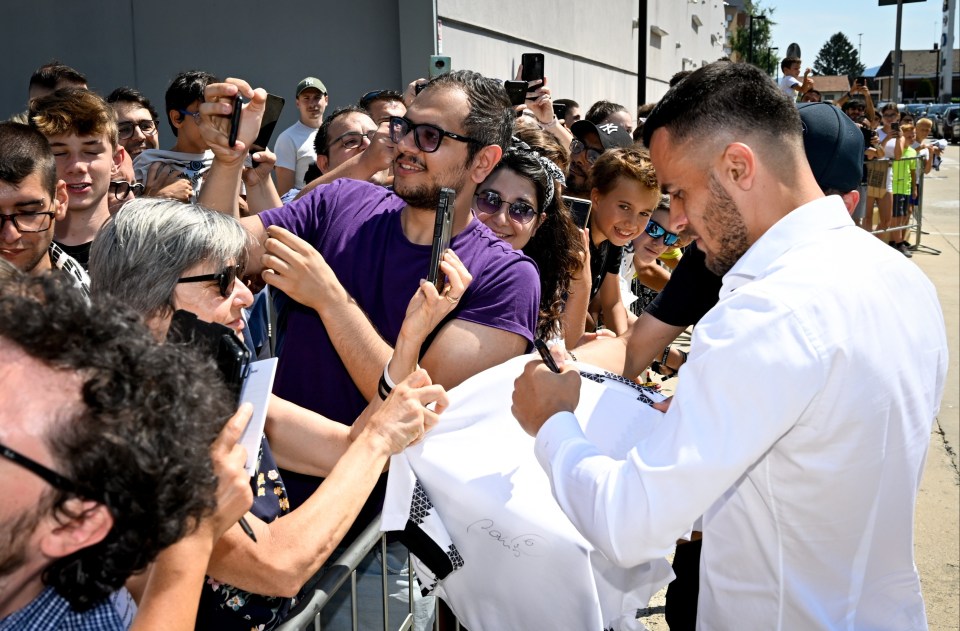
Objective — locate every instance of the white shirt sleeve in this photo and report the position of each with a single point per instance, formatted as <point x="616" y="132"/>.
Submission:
<point x="286" y="150"/>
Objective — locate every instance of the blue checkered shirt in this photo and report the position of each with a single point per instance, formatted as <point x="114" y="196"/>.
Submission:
<point x="49" y="611"/>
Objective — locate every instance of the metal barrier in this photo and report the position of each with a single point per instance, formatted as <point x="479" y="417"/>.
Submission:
<point x="306" y="614"/>
<point x="917" y="216"/>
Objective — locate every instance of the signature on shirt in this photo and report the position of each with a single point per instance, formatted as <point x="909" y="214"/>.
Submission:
<point x="521" y="545"/>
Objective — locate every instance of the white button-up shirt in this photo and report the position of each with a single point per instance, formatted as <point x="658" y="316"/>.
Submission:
<point x="799" y="430"/>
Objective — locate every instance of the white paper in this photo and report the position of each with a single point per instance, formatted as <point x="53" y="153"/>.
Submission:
<point x="256" y="390"/>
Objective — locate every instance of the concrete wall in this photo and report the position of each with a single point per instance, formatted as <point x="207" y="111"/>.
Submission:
<point x="685" y="45"/>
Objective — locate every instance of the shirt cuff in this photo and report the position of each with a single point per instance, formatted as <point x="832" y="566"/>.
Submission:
<point x="558" y="429"/>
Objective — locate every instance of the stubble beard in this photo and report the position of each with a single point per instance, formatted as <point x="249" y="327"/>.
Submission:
<point x="427" y="196"/>
<point x="724" y="224"/>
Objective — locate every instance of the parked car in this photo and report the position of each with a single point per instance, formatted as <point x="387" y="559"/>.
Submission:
<point x="934" y="113"/>
<point x="917" y="110"/>
<point x="950" y="122"/>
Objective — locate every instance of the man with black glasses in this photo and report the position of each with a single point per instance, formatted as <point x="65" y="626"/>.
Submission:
<point x="343" y="134"/>
<point x="32" y="200"/>
<point x="374" y="247"/>
<point x="137" y="121"/>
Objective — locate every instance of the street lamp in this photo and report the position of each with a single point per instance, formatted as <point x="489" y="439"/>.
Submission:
<point x="751" y="18"/>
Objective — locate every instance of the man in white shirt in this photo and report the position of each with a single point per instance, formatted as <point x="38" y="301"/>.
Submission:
<point x="294" y="147"/>
<point x="805" y="473"/>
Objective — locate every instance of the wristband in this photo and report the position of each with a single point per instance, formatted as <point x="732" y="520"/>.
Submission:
<point x="663" y="358"/>
<point x="383" y="389"/>
<point x="546" y="125"/>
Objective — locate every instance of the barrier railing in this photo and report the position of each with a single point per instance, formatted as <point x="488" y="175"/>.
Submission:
<point x="307" y="613"/>
<point x="915" y="222"/>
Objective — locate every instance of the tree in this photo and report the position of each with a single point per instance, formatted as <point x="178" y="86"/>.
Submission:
<point x="763" y="57"/>
<point x="838" y="57"/>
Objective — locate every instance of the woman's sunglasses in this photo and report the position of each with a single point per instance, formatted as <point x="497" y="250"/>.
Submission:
<point x="224" y="278"/>
<point x="490" y="203"/>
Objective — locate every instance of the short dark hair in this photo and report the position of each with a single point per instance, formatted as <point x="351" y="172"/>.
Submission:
<point x="320" y="139"/>
<point x="375" y="96"/>
<point x="186" y="88"/>
<point x="138" y="439"/>
<point x="727" y="96"/>
<point x="789" y="61"/>
<point x="126" y="94"/>
<point x="679" y="76"/>
<point x="857" y="103"/>
<point x="23" y="152"/>
<point x="600" y="110"/>
<point x="567" y="104"/>
<point x="491" y="117"/>
<point x="51" y="73"/>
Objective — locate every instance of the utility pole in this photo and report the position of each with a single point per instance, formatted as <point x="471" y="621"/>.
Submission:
<point x="860" y="47"/>
<point x="895" y="92"/>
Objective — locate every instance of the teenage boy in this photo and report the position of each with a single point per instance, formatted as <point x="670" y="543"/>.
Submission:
<point x="82" y="131"/>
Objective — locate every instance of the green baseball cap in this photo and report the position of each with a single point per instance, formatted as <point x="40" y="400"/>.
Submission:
<point x="311" y="82"/>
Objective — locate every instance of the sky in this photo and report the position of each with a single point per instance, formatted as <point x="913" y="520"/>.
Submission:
<point x="810" y="23"/>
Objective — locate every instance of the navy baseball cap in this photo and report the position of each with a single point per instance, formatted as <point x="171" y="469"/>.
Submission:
<point x="611" y="135"/>
<point x="834" y="146"/>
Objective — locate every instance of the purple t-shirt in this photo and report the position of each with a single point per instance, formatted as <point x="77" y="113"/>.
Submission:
<point x="356" y="226"/>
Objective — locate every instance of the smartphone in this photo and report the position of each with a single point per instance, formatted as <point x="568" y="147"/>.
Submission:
<point x="517" y="91"/>
<point x="559" y="110"/>
<point x="439" y="64"/>
<point x="541" y="347"/>
<point x="271" y="114"/>
<point x="532" y="66"/>
<point x="867" y="137"/>
<point x="235" y="120"/>
<point x="441" y="236"/>
<point x="579" y="210"/>
<point x="895" y="127"/>
<point x="215" y="341"/>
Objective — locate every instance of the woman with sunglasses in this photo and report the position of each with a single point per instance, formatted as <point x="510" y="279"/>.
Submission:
<point x="162" y="255"/>
<point x="520" y="202"/>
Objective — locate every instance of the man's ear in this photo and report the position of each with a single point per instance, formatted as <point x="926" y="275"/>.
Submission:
<point x="850" y="200"/>
<point x="60" y="201"/>
<point x="176" y="118"/>
<point x="739" y="165"/>
<point x="322" y="162"/>
<point x="118" y="157"/>
<point x="81" y="524"/>
<point x="484" y="161"/>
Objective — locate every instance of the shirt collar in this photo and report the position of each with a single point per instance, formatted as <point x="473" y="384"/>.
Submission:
<point x="801" y="224"/>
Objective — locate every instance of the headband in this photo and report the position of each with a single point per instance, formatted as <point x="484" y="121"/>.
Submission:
<point x="552" y="171"/>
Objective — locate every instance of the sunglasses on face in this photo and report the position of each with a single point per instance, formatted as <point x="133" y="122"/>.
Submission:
<point x="655" y="231"/>
<point x="490" y="203"/>
<point x="577" y="147"/>
<point x="224" y="278"/>
<point x="121" y="188"/>
<point x="426" y="136"/>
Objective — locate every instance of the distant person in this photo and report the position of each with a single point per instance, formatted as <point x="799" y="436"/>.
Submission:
<point x="790" y="83"/>
<point x="571" y="111"/>
<point x="294" y="146"/>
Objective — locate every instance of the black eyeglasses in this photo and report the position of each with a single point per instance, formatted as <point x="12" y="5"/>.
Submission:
<point x="121" y="188"/>
<point x="29" y="222"/>
<point x="655" y="231"/>
<point x="224" y="278"/>
<point x="427" y="136"/>
<point x="52" y="477"/>
<point x="353" y="139"/>
<point x="125" y="129"/>
<point x="577" y="147"/>
<point x="490" y="203"/>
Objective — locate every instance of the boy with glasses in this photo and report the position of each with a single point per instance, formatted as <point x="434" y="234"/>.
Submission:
<point x="32" y="200"/>
<point x="82" y="131"/>
<point x="178" y="172"/>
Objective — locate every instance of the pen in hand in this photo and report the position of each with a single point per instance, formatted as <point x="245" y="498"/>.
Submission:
<point x="247" y="529"/>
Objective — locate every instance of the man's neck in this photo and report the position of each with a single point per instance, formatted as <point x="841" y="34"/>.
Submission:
<point x="81" y="226"/>
<point x="184" y="147"/>
<point x="18" y="590"/>
<point x="418" y="223"/>
<point x="312" y="124"/>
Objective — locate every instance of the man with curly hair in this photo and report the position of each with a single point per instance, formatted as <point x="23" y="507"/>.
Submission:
<point x="105" y="440"/>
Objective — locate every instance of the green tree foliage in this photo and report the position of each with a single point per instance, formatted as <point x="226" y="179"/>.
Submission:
<point x="838" y="57"/>
<point x="762" y="57"/>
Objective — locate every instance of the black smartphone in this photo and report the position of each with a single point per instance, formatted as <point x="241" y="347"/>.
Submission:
<point x="532" y="66"/>
<point x="271" y="114"/>
<point x="559" y="110"/>
<point x="541" y="347"/>
<point x="441" y="236"/>
<point x="235" y="120"/>
<point x="867" y="137"/>
<point x="215" y="341"/>
<point x="579" y="210"/>
<point x="517" y="91"/>
<point x="895" y="127"/>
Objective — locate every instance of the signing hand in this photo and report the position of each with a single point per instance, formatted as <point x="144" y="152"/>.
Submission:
<point x="539" y="393"/>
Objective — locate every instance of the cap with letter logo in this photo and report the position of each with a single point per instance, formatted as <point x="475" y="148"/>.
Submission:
<point x="311" y="82"/>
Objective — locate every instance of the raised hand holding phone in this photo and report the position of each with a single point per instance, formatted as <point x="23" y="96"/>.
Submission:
<point x="217" y="111"/>
<point x="441" y="236"/>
